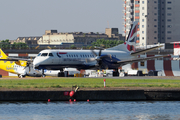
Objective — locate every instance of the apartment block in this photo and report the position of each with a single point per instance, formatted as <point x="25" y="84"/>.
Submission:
<point x="158" y="20"/>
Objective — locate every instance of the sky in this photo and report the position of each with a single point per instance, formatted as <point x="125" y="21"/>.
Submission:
<point x="25" y="18"/>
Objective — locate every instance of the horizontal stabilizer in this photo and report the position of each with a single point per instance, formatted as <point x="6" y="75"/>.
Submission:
<point x="146" y="50"/>
<point x="124" y="62"/>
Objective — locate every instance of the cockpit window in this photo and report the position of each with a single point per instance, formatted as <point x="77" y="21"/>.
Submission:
<point x="50" y="54"/>
<point x="44" y="54"/>
<point x="39" y="54"/>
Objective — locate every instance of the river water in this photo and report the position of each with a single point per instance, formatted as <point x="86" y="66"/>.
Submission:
<point x="92" y="110"/>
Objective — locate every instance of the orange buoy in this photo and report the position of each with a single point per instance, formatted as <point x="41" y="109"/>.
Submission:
<point x="49" y="100"/>
<point x="87" y="100"/>
<point x="70" y="100"/>
<point x="71" y="94"/>
<point x="74" y="100"/>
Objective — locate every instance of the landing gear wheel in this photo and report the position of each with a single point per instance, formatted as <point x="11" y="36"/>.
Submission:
<point x="43" y="75"/>
<point x="21" y="76"/>
<point x="61" y="74"/>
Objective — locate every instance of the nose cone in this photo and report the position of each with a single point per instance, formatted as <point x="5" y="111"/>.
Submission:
<point x="36" y="63"/>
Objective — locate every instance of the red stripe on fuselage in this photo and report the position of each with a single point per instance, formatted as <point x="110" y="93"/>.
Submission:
<point x="62" y="53"/>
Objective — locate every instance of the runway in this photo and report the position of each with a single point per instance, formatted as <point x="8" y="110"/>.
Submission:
<point x="126" y="77"/>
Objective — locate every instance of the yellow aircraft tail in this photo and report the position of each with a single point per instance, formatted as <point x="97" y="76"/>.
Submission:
<point x="2" y="55"/>
<point x="19" y="62"/>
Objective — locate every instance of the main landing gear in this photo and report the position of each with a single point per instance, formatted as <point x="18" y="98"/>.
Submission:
<point x="21" y="76"/>
<point x="116" y="72"/>
<point x="61" y="73"/>
<point x="43" y="75"/>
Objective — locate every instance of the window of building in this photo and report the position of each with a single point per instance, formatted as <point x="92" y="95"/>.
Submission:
<point x="142" y="8"/>
<point x="136" y="2"/>
<point x="143" y="38"/>
<point x="142" y="63"/>
<point x="155" y="31"/>
<point x="169" y="2"/>
<point x="169" y="8"/>
<point x="154" y="37"/>
<point x="169" y="14"/>
<point x="142" y="26"/>
<point x="169" y="26"/>
<point x="142" y="2"/>
<point x="155" y="25"/>
<point x="136" y="14"/>
<point x="155" y="13"/>
<point x="169" y="38"/>
<point x="142" y="14"/>
<point x="155" y="7"/>
<point x="142" y="20"/>
<point x="169" y="20"/>
<point x="155" y="2"/>
<point x="155" y="19"/>
<point x="169" y="32"/>
<point x="142" y="32"/>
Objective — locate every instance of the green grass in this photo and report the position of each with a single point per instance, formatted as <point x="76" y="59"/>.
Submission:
<point x="86" y="83"/>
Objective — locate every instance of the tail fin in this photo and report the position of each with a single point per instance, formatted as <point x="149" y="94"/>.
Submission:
<point x="3" y="55"/>
<point x="130" y="43"/>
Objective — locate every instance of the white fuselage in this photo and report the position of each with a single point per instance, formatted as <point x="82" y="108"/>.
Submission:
<point x="57" y="59"/>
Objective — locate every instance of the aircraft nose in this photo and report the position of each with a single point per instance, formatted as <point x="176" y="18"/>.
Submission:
<point x="35" y="63"/>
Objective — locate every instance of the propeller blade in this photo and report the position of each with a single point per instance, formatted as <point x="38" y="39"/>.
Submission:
<point x="100" y="52"/>
<point x="93" y="52"/>
<point x="29" y="69"/>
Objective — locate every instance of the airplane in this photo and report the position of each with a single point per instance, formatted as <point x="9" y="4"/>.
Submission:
<point x="111" y="58"/>
<point x="18" y="67"/>
<point x="24" y="68"/>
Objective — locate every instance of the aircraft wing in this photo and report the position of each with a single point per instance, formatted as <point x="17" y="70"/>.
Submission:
<point x="17" y="59"/>
<point x="146" y="50"/>
<point x="124" y="62"/>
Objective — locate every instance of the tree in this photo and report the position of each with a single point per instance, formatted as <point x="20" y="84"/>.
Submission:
<point x="5" y="44"/>
<point x="106" y="43"/>
<point x="73" y="47"/>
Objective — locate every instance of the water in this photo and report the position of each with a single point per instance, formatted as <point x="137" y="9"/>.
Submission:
<point x="121" y="110"/>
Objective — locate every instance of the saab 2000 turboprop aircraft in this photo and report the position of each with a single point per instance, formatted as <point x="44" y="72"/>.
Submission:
<point x="19" y="67"/>
<point x="110" y="58"/>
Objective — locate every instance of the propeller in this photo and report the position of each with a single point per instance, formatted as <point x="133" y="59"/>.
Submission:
<point x="28" y="64"/>
<point x="98" y="57"/>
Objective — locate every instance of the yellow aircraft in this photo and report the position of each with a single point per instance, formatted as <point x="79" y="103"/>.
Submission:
<point x="17" y="66"/>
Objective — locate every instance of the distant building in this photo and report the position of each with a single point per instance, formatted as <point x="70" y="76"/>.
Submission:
<point x="79" y="39"/>
<point x="52" y="37"/>
<point x="28" y="40"/>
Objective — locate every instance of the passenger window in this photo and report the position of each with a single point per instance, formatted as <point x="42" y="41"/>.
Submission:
<point x="50" y="54"/>
<point x="44" y="54"/>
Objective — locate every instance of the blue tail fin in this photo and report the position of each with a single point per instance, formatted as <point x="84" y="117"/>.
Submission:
<point x="130" y="43"/>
